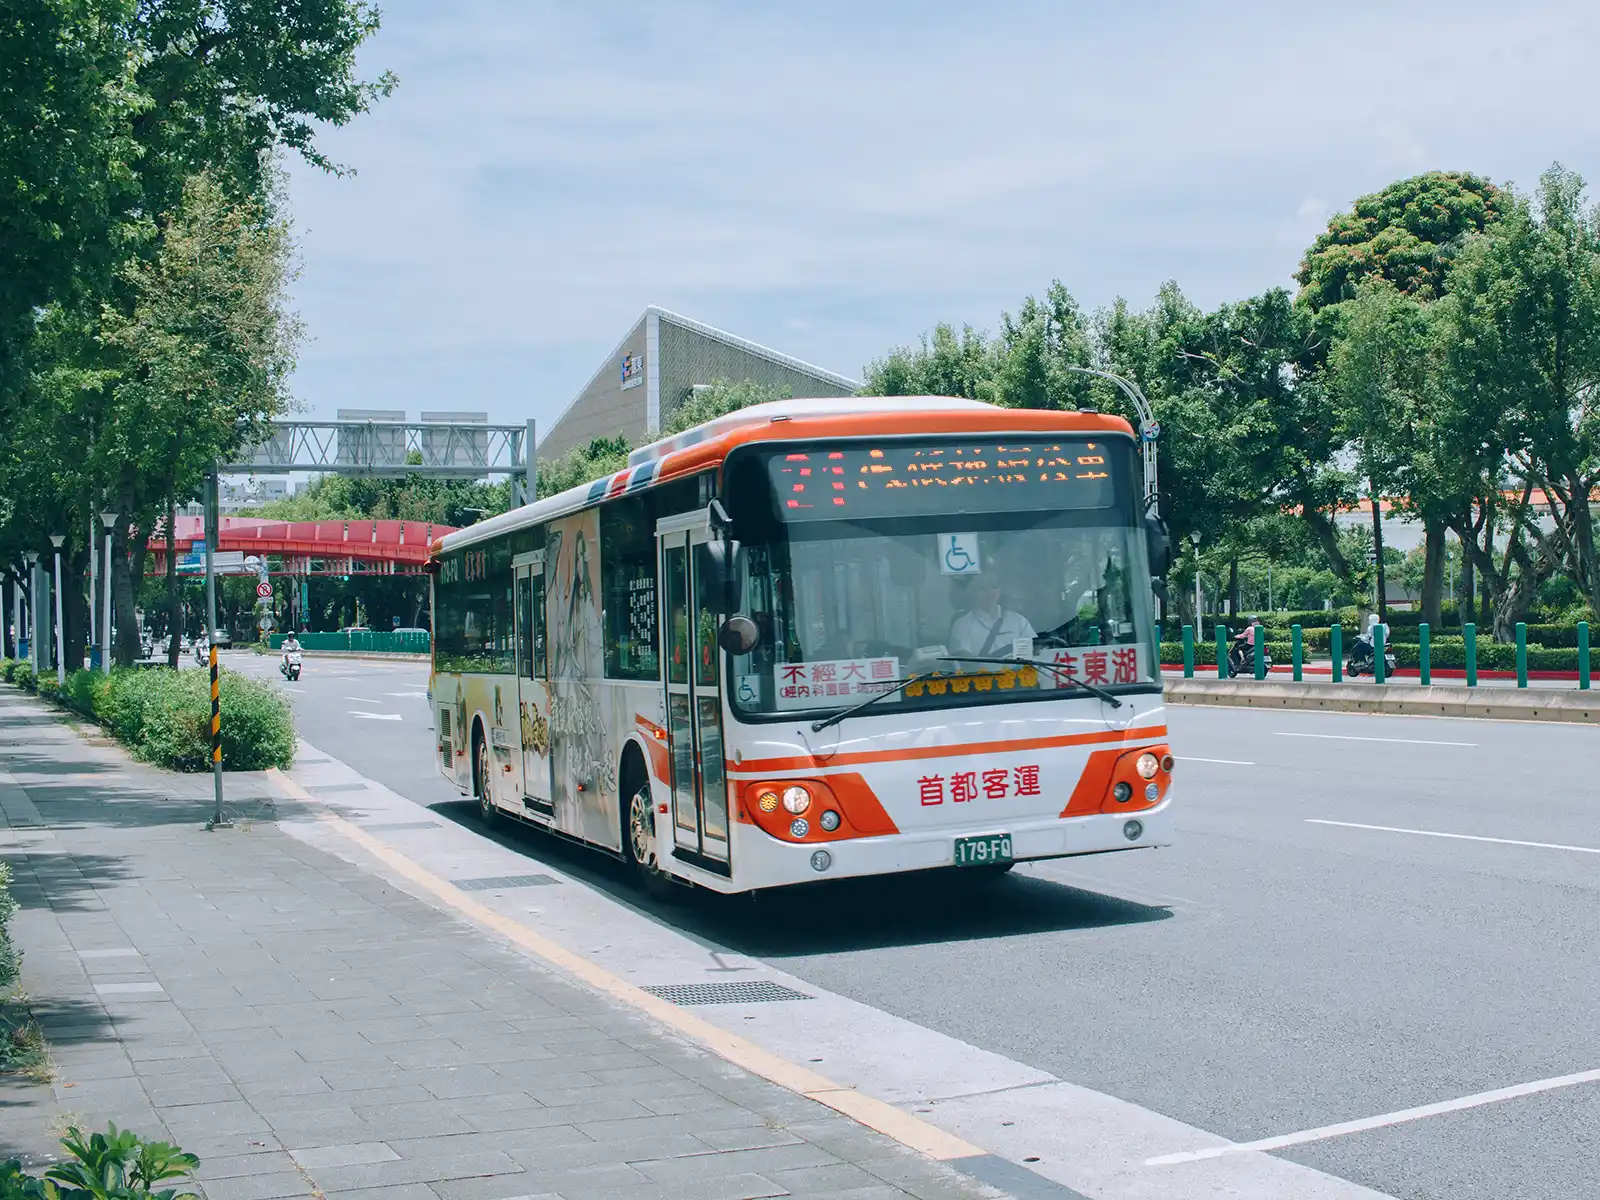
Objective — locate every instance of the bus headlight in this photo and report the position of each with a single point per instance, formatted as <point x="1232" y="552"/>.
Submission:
<point x="767" y="802"/>
<point x="829" y="821"/>
<point x="796" y="799"/>
<point x="1151" y="791"/>
<point x="1123" y="791"/>
<point x="799" y="827"/>
<point x="1133" y="830"/>
<point x="1147" y="765"/>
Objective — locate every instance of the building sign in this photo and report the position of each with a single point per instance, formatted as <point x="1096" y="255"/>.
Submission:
<point x="632" y="370"/>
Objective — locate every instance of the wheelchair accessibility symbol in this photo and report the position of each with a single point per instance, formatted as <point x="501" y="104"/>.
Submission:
<point x="747" y="690"/>
<point x="958" y="554"/>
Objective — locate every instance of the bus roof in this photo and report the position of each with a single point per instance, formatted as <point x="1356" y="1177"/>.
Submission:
<point x="788" y="420"/>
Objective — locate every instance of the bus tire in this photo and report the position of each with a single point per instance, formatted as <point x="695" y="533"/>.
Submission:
<point x="638" y="827"/>
<point x="480" y="776"/>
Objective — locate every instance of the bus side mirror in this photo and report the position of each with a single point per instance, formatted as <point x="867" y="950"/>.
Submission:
<point x="739" y="634"/>
<point x="1158" y="543"/>
<point x="721" y="563"/>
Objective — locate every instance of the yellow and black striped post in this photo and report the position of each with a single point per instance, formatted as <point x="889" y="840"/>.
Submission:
<point x="216" y="711"/>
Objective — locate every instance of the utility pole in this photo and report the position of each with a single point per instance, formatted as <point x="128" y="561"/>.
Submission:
<point x="217" y="821"/>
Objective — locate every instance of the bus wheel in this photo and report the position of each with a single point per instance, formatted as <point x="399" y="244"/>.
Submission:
<point x="480" y="770"/>
<point x="641" y="841"/>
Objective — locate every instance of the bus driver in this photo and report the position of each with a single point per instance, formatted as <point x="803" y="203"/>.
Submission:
<point x="988" y="629"/>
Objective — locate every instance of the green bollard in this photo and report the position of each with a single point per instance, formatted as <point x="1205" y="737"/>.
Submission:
<point x="1188" y="651"/>
<point x="1424" y="667"/>
<point x="1297" y="651"/>
<point x="1336" y="646"/>
<point x="1469" y="635"/>
<point x="1378" y="665"/>
<point x="1222" y="651"/>
<point x="1583" y="655"/>
<point x="1522" y="654"/>
<point x="1259" y="640"/>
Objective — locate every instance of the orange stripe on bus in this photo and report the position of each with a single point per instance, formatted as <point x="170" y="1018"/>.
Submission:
<point x="764" y="766"/>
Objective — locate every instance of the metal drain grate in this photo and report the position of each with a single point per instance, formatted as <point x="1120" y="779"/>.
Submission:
<point x="390" y="825"/>
<point x="495" y="882"/>
<point x="755" y="991"/>
<point x="323" y="789"/>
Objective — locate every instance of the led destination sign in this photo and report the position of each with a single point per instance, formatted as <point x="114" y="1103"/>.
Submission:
<point x="902" y="479"/>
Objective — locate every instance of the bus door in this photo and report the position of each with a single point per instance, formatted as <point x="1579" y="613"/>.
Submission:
<point x="533" y="689"/>
<point x="694" y="695"/>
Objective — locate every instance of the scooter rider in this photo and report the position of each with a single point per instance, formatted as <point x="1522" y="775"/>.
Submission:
<point x="291" y="645"/>
<point x="1244" y="645"/>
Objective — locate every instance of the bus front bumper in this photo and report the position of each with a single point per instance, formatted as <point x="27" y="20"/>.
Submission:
<point x="763" y="861"/>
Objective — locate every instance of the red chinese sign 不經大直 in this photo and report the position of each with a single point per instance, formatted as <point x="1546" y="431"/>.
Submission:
<point x="836" y="681"/>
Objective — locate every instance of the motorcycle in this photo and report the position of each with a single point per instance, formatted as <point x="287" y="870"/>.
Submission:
<point x="1242" y="659"/>
<point x="1362" y="660"/>
<point x="290" y="666"/>
<point x="202" y="652"/>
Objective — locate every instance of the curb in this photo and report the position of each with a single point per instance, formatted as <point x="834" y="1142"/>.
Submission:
<point x="1397" y="698"/>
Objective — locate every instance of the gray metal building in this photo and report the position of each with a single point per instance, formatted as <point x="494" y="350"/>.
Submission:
<point x="657" y="366"/>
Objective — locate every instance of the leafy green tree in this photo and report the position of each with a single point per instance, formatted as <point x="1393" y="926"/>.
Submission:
<point x="945" y="363"/>
<point x="582" y="464"/>
<point x="202" y="361"/>
<point x="717" y="400"/>
<point x="1406" y="234"/>
<point x="1521" y="333"/>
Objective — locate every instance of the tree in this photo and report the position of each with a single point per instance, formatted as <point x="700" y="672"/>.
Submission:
<point x="203" y="359"/>
<point x="1407" y="234"/>
<point x="1521" y="332"/>
<point x="717" y="400"/>
<point x="945" y="363"/>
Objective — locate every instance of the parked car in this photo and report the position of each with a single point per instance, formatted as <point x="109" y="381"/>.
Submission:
<point x="355" y="629"/>
<point x="410" y="629"/>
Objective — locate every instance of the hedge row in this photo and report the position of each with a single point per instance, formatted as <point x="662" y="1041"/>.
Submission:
<point x="164" y="716"/>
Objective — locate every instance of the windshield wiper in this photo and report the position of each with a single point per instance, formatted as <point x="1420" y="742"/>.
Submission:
<point x="1060" y="671"/>
<point x="835" y="718"/>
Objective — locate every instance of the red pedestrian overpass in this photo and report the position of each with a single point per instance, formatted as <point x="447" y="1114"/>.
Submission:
<point x="312" y="547"/>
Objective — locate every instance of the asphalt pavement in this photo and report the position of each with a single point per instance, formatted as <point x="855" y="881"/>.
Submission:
<point x="1365" y="916"/>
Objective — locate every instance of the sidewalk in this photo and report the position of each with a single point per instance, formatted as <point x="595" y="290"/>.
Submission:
<point x="310" y="1030"/>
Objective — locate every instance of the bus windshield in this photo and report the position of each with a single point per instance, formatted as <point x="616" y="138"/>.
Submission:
<point x="850" y="605"/>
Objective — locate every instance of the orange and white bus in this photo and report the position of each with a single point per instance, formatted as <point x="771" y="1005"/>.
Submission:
<point x="815" y="639"/>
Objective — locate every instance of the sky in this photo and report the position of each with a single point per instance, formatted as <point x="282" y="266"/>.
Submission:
<point x="832" y="179"/>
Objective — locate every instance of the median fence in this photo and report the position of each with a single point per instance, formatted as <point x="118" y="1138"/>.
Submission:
<point x="1558" y="652"/>
<point x="361" y="641"/>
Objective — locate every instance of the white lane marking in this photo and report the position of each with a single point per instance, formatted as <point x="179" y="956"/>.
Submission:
<point x="363" y="700"/>
<point x="409" y="695"/>
<point x="1227" y="762"/>
<point x="1460" y="837"/>
<point x="1394" y="1118"/>
<point x="1350" y="737"/>
<point x="366" y="716"/>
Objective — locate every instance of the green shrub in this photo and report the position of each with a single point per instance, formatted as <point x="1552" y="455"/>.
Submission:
<point x="47" y="687"/>
<point x="10" y="957"/>
<point x="115" y="1165"/>
<point x="22" y="675"/>
<point x="80" y="690"/>
<point x="164" y="717"/>
<point x="7" y="665"/>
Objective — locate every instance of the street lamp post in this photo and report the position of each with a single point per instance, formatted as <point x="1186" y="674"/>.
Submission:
<point x="108" y="519"/>
<point x="32" y="557"/>
<point x="1199" y="632"/>
<point x="61" y="649"/>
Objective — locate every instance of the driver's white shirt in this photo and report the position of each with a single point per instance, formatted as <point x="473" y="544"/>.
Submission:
<point x="972" y="629"/>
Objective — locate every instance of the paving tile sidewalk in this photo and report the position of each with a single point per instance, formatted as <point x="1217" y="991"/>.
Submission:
<point x="311" y="1031"/>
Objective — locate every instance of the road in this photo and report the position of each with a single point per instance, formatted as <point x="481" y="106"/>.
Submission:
<point x="1365" y="915"/>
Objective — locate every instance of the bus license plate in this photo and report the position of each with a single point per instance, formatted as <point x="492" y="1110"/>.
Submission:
<point x="980" y="851"/>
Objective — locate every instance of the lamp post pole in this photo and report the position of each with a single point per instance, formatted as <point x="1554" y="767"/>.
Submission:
<point x="61" y="650"/>
<point x="32" y="557"/>
<point x="1199" y="631"/>
<point x="213" y="527"/>
<point x="108" y="519"/>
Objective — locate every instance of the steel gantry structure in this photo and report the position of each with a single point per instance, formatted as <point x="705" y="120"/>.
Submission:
<point x="456" y="449"/>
